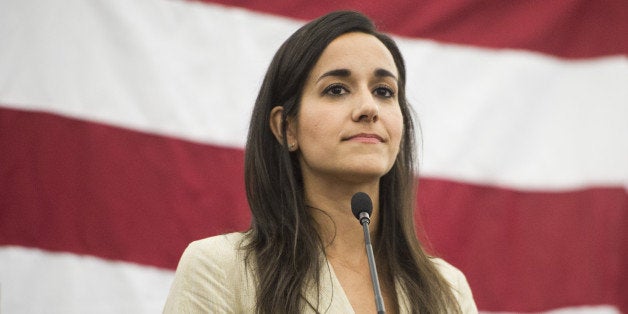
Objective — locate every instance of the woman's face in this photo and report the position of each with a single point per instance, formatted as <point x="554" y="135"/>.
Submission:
<point x="349" y="124"/>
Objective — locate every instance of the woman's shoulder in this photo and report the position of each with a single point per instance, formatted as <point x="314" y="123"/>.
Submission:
<point x="221" y="247"/>
<point x="217" y="251"/>
<point x="219" y="254"/>
<point x="459" y="284"/>
<point x="212" y="277"/>
<point x="450" y="272"/>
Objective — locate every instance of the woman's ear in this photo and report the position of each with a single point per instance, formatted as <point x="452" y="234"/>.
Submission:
<point x="276" y="125"/>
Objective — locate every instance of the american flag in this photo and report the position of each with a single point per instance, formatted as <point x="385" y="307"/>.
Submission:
<point x="122" y="128"/>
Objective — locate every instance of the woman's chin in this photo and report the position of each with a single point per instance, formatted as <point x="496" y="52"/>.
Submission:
<point x="365" y="174"/>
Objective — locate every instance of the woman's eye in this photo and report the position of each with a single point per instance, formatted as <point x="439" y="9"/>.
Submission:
<point x="384" y="92"/>
<point x="335" y="90"/>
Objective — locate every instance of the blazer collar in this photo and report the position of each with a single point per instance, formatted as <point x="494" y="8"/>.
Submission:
<point x="330" y="297"/>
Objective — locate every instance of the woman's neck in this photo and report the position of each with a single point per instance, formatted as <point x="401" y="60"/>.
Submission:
<point x="330" y="207"/>
<point x="343" y="240"/>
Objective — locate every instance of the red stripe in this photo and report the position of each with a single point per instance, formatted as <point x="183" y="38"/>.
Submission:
<point x="83" y="187"/>
<point x="88" y="188"/>
<point x="532" y="251"/>
<point x="569" y="29"/>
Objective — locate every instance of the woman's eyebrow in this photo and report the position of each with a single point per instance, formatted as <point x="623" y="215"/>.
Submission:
<point x="346" y="73"/>
<point x="385" y="73"/>
<point x="336" y="72"/>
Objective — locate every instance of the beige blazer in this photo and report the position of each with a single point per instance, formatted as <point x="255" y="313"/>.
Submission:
<point x="212" y="278"/>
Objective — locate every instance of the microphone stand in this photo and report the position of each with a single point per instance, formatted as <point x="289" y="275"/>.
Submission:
<point x="379" y="301"/>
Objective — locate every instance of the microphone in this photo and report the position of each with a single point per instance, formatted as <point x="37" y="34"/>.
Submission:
<point x="362" y="207"/>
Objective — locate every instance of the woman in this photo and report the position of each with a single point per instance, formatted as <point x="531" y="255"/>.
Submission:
<point x="330" y="120"/>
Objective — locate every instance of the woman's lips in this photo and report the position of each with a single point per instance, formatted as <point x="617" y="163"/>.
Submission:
<point x="366" y="138"/>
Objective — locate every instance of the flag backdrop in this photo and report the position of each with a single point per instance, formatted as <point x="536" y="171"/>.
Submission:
<point x="122" y="127"/>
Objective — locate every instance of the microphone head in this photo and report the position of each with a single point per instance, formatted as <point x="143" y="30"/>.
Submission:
<point x="361" y="202"/>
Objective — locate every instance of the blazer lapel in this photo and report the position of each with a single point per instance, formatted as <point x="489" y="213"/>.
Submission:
<point x="330" y="298"/>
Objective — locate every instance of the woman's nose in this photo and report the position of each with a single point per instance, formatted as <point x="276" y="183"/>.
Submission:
<point x="366" y="108"/>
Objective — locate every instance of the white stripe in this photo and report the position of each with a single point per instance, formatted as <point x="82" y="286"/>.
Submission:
<point x="68" y="283"/>
<point x="178" y="68"/>
<point x="518" y="118"/>
<point x="192" y="70"/>
<point x="35" y="281"/>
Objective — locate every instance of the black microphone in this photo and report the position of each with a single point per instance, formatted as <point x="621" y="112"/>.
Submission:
<point x="362" y="207"/>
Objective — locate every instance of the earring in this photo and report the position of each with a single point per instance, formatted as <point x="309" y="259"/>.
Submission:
<point x="292" y="146"/>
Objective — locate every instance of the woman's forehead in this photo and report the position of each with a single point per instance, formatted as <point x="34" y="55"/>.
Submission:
<point x="355" y="51"/>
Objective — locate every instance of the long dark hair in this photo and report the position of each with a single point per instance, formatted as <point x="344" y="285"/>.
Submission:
<point x="282" y="243"/>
